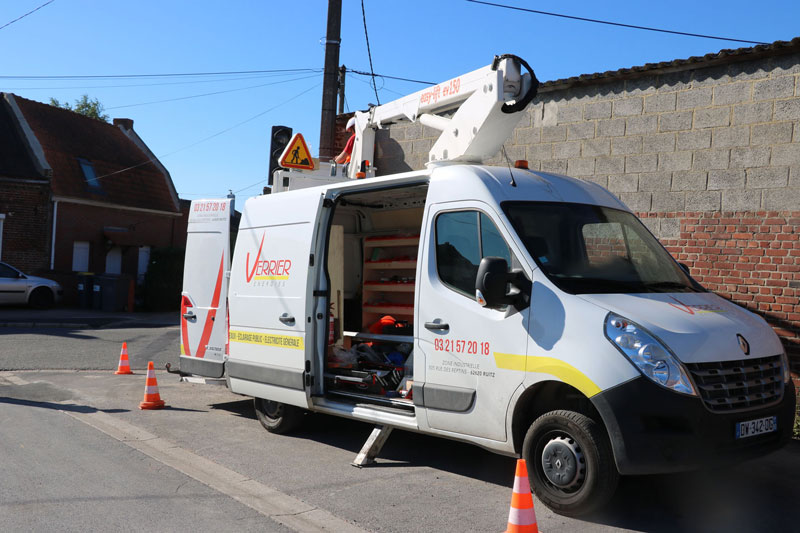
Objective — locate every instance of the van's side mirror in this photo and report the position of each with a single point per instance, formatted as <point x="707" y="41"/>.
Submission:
<point x="492" y="282"/>
<point x="685" y="268"/>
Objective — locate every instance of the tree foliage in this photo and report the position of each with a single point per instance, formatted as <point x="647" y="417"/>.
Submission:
<point x="90" y="107"/>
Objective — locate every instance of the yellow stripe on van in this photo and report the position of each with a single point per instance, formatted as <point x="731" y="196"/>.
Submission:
<point x="183" y="351"/>
<point x="275" y="341"/>
<point x="548" y="365"/>
<point x="270" y="277"/>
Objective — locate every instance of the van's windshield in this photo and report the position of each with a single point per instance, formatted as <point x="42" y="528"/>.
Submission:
<point x="593" y="249"/>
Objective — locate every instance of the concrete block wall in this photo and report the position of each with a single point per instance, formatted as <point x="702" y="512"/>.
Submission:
<point x="707" y="153"/>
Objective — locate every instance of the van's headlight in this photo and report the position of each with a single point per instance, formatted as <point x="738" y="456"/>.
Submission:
<point x="648" y="354"/>
<point x="787" y="373"/>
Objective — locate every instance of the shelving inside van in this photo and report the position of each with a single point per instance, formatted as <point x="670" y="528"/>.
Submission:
<point x="372" y="264"/>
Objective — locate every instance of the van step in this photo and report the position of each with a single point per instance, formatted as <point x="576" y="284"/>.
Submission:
<point x="389" y="405"/>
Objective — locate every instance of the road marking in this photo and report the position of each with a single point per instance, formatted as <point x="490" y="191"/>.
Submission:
<point x="282" y="508"/>
<point x="16" y="380"/>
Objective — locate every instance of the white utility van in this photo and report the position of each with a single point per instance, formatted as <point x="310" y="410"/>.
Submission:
<point x="528" y="313"/>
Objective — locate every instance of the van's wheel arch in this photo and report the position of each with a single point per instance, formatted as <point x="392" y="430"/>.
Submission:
<point x="278" y="417"/>
<point x="570" y="463"/>
<point x="41" y="298"/>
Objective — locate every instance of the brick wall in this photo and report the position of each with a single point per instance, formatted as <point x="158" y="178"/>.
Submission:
<point x="26" y="228"/>
<point x="707" y="153"/>
<point x="77" y="222"/>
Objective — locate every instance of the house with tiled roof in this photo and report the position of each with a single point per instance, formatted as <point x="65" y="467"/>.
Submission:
<point x="81" y="195"/>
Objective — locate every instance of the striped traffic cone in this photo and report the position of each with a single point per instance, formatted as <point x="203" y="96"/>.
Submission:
<point x="152" y="400"/>
<point x="521" y="516"/>
<point x="124" y="366"/>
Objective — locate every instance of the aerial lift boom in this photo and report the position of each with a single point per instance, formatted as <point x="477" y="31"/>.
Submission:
<point x="485" y="105"/>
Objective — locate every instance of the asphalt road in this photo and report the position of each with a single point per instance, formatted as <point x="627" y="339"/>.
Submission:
<point x="45" y="348"/>
<point x="76" y="449"/>
<point x="59" y="474"/>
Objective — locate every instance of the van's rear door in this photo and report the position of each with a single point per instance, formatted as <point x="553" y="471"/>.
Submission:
<point x="271" y="330"/>
<point x="204" y="297"/>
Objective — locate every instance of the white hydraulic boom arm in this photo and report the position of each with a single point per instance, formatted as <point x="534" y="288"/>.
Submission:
<point x="484" y="113"/>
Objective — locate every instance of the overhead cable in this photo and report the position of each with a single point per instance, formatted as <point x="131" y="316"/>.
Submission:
<point x="26" y="14"/>
<point x="211" y="93"/>
<point x="152" y="159"/>
<point x="164" y="75"/>
<point x="369" y="53"/>
<point x="633" y="26"/>
<point x="362" y="73"/>
<point x="192" y="82"/>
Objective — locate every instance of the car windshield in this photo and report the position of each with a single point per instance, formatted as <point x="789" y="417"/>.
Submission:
<point x="593" y="249"/>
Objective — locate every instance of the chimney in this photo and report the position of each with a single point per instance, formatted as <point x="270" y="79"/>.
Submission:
<point x="125" y="123"/>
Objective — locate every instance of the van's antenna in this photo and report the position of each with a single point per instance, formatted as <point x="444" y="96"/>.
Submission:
<point x="508" y="162"/>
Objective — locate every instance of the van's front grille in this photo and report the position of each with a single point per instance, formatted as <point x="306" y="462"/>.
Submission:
<point x="736" y="385"/>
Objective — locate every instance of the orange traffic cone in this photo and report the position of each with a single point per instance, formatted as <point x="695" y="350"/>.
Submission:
<point x="124" y="366"/>
<point x="152" y="400"/>
<point x="521" y="516"/>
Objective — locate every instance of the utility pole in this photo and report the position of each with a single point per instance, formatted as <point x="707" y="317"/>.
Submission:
<point x="342" y="73"/>
<point x="327" y="129"/>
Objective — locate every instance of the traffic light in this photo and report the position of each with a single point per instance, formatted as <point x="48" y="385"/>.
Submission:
<point x="281" y="135"/>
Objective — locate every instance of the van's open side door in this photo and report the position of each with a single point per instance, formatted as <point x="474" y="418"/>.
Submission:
<point x="204" y="297"/>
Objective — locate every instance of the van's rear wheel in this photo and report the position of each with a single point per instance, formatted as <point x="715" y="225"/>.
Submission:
<point x="570" y="464"/>
<point x="278" y="417"/>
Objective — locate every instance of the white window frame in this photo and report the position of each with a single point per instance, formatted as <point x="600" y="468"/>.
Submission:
<point x="77" y="247"/>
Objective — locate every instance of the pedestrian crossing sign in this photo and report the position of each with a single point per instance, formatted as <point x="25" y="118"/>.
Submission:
<point x="297" y="154"/>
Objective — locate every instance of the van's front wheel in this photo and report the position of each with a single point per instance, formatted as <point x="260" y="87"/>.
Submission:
<point x="278" y="417"/>
<point x="570" y="464"/>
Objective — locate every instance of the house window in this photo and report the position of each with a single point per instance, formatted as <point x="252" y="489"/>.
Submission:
<point x="80" y="256"/>
<point x="114" y="261"/>
<point x="2" y="219"/>
<point x="89" y="174"/>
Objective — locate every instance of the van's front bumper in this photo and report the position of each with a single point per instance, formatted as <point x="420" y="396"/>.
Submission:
<point x="654" y="430"/>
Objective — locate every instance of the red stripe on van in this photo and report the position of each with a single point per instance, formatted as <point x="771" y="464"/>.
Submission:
<point x="185" y="328"/>
<point x="201" y="350"/>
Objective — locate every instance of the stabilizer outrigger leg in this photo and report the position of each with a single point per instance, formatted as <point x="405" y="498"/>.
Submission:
<point x="372" y="447"/>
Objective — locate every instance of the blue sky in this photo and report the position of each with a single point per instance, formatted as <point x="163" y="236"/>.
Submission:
<point x="214" y="143"/>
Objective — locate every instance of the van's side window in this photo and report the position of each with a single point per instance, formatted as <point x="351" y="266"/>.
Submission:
<point x="463" y="238"/>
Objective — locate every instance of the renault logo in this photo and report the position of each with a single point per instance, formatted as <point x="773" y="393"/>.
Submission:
<point x="743" y="344"/>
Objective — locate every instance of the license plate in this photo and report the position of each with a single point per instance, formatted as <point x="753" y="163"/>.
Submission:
<point x="759" y="426"/>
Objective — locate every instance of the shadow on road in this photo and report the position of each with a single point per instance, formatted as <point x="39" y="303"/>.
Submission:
<point x="71" y="333"/>
<point x="70" y="407"/>
<point x="402" y="449"/>
<point x="755" y="495"/>
<point x="240" y="408"/>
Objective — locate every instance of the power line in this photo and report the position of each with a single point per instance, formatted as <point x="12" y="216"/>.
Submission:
<point x="211" y="93"/>
<point x="164" y="75"/>
<point x="193" y="82"/>
<point x="633" y="26"/>
<point x="390" y="77"/>
<point x="26" y="14"/>
<point x="259" y="182"/>
<point x="369" y="53"/>
<point x="152" y="159"/>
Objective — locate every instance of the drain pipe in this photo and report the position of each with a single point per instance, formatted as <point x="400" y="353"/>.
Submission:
<point x="53" y="240"/>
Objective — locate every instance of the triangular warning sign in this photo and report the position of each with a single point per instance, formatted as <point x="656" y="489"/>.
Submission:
<point x="297" y="154"/>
